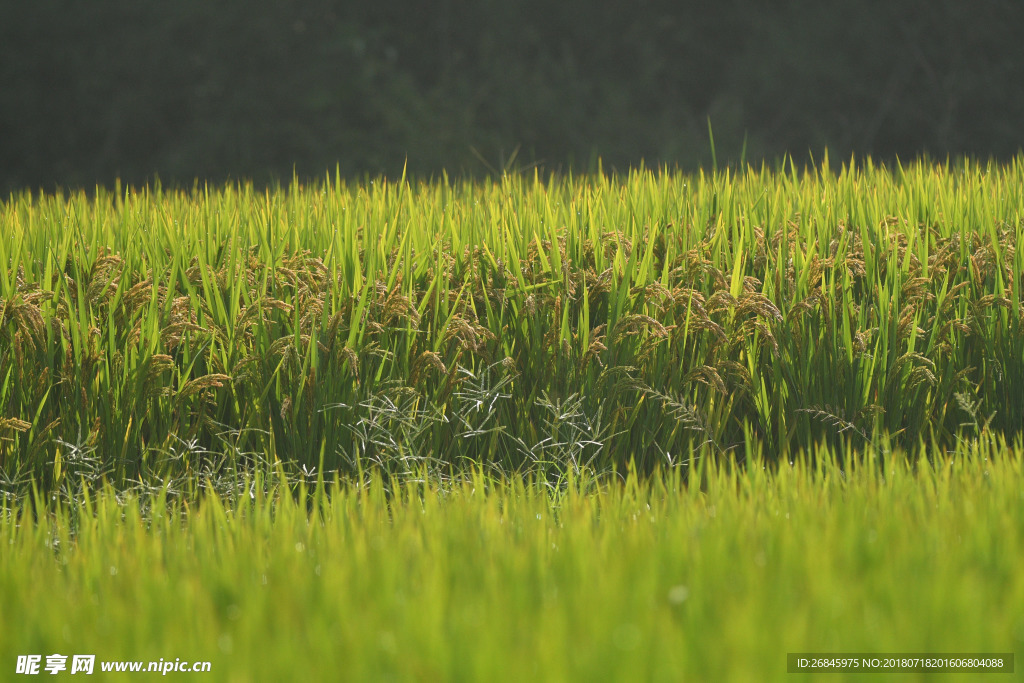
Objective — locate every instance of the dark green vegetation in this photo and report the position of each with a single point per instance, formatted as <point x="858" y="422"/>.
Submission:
<point x="555" y="326"/>
<point x="90" y="92"/>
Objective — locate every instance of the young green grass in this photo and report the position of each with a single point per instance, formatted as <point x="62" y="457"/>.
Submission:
<point x="712" y="576"/>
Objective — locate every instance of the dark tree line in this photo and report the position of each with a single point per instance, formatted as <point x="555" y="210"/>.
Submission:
<point x="92" y="91"/>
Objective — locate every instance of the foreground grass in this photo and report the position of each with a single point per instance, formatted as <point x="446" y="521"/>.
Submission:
<point x="715" y="576"/>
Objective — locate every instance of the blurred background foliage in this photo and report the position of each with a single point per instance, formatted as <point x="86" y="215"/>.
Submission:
<point x="135" y="89"/>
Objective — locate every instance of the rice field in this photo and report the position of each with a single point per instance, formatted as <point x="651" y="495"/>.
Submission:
<point x="522" y="324"/>
<point x="652" y="426"/>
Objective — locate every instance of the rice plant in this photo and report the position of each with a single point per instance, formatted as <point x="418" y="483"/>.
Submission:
<point x="691" y="312"/>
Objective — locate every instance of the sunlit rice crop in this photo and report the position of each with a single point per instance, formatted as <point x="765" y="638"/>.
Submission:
<point x="543" y="324"/>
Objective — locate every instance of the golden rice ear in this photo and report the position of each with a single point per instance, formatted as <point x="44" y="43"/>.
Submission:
<point x="705" y="374"/>
<point x="14" y="424"/>
<point x="29" y="320"/>
<point x="399" y="307"/>
<point x="103" y="279"/>
<point x="721" y="300"/>
<point x="635" y="323"/>
<point x="426" y="359"/>
<point x="759" y="305"/>
<point x="158" y="364"/>
<point x="171" y="335"/>
<point x="351" y="358"/>
<point x="211" y="381"/>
